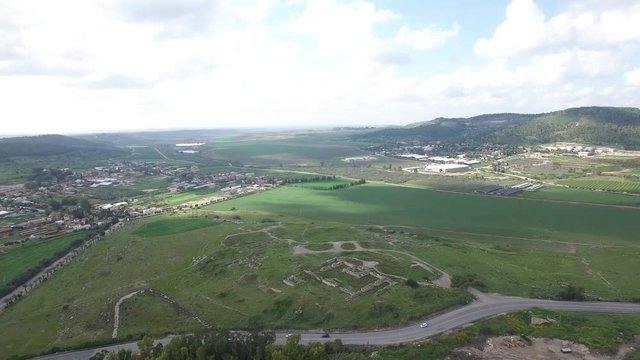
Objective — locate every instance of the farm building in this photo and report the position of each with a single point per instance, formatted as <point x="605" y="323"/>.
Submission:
<point x="534" y="187"/>
<point x="488" y="189"/>
<point x="508" y="191"/>
<point x="446" y="168"/>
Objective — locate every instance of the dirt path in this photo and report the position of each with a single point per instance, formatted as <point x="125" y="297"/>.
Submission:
<point x="169" y="159"/>
<point x="180" y="309"/>
<point x="161" y="154"/>
<point x="116" y="312"/>
<point x="266" y="230"/>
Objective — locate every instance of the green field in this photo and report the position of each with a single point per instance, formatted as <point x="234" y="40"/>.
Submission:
<point x="274" y="151"/>
<point x="166" y="227"/>
<point x="150" y="183"/>
<point x="582" y="195"/>
<point x="186" y="196"/>
<point x="20" y="258"/>
<point x="449" y="212"/>
<point x="12" y="173"/>
<point x="606" y="183"/>
<point x="147" y="153"/>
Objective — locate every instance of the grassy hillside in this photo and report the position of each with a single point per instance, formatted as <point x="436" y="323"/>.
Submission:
<point x="593" y="125"/>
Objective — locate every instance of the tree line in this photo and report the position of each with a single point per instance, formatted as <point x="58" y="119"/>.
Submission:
<point x="218" y="344"/>
<point x="308" y="179"/>
<point x="342" y="186"/>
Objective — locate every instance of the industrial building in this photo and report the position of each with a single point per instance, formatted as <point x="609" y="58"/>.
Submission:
<point x="446" y="168"/>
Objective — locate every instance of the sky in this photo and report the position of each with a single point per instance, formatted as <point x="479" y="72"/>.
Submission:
<point x="78" y="66"/>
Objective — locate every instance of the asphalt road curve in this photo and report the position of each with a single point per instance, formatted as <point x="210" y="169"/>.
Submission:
<point x="460" y="317"/>
<point x="486" y="306"/>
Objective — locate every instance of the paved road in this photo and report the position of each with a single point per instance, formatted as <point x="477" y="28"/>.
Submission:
<point x="486" y="306"/>
<point x="463" y="316"/>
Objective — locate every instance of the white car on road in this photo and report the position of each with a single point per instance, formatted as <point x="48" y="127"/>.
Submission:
<point x="424" y="325"/>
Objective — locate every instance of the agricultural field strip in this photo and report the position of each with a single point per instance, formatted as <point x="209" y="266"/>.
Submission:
<point x="593" y="245"/>
<point x="538" y="200"/>
<point x="416" y="186"/>
<point x="525" y="239"/>
<point x="608" y="185"/>
<point x="517" y="237"/>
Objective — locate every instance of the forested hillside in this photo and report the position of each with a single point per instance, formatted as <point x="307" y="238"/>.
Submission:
<point x="45" y="145"/>
<point x="592" y="125"/>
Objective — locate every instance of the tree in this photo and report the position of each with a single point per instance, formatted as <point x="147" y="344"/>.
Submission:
<point x="55" y="204"/>
<point x="85" y="204"/>
<point x="333" y="347"/>
<point x="572" y="293"/>
<point x="411" y="283"/>
<point x="275" y="352"/>
<point x="466" y="280"/>
<point x="316" y="351"/>
<point x="146" y="347"/>
<point x="292" y="350"/>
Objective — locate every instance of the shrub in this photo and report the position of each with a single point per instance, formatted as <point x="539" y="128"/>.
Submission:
<point x="467" y="280"/>
<point x="411" y="283"/>
<point x="572" y="293"/>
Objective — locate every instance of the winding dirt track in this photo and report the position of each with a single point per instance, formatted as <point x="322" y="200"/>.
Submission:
<point x="116" y="312"/>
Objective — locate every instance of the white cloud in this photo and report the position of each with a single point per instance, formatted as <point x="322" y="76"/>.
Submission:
<point x="425" y="38"/>
<point x="586" y="26"/>
<point x="522" y="30"/>
<point x="633" y="77"/>
<point x="339" y="26"/>
<point x="150" y="64"/>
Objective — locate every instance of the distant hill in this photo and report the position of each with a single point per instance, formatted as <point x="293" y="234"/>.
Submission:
<point x="45" y="145"/>
<point x="610" y="126"/>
